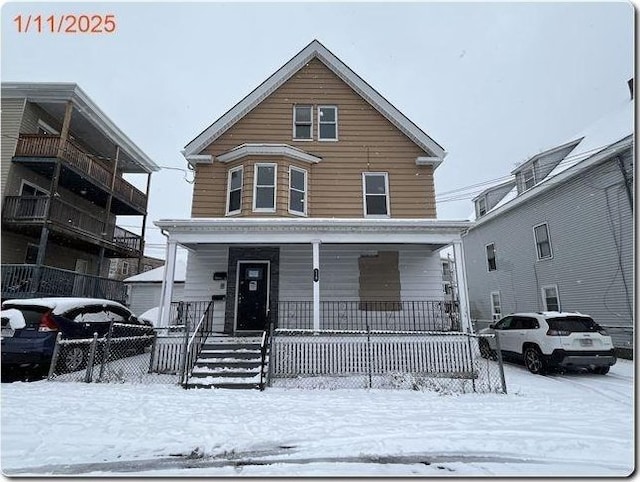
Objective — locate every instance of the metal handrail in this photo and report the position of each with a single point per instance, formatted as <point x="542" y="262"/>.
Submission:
<point x="200" y="333"/>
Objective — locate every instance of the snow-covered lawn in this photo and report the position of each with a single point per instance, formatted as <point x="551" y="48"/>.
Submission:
<point x="572" y="424"/>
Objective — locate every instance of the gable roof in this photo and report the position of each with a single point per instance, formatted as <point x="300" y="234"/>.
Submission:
<point x="314" y="50"/>
<point x="604" y="138"/>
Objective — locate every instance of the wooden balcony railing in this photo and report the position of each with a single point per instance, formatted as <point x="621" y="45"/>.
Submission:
<point x="35" y="145"/>
<point x="33" y="209"/>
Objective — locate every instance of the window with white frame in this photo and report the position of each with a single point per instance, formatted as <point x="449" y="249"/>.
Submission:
<point x="302" y="122"/>
<point x="482" y="206"/>
<point x="297" y="191"/>
<point x="550" y="298"/>
<point x="327" y="123"/>
<point x="125" y="268"/>
<point x="264" y="187"/>
<point x="234" y="190"/>
<point x="491" y="257"/>
<point x="496" y="306"/>
<point x="376" y="194"/>
<point x="543" y="242"/>
<point x="529" y="177"/>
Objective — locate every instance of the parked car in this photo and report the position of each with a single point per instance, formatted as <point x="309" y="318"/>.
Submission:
<point x="551" y="339"/>
<point x="30" y="328"/>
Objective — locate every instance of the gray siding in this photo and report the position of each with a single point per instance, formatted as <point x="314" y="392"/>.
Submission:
<point x="591" y="230"/>
<point x="12" y="110"/>
<point x="144" y="296"/>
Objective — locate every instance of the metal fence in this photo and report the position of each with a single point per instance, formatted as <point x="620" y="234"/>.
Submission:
<point x="434" y="361"/>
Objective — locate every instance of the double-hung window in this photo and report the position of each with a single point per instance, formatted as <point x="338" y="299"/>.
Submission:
<point x="264" y="188"/>
<point x="496" y="306"/>
<point x="543" y="243"/>
<point x="376" y="194"/>
<point x="234" y="190"/>
<point x="491" y="257"/>
<point x="482" y="206"/>
<point x="297" y="191"/>
<point x="550" y="298"/>
<point x="302" y="122"/>
<point x="327" y="123"/>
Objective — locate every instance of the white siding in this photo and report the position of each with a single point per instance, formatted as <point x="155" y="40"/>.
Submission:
<point x="144" y="296"/>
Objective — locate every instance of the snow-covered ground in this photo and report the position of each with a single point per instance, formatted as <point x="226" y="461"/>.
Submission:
<point x="572" y="424"/>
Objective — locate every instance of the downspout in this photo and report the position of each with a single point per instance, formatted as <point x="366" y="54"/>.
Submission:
<point x="627" y="182"/>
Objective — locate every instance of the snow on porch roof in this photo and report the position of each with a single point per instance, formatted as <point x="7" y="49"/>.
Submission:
<point x="157" y="274"/>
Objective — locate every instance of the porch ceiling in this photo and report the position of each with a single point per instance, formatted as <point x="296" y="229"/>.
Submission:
<point x="193" y="232"/>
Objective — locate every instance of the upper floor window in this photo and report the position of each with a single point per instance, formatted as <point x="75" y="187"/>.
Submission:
<point x="543" y="242"/>
<point x="376" y="194"/>
<point x="125" y="268"/>
<point x="297" y="191"/>
<point x="327" y="123"/>
<point x="234" y="190"/>
<point x="491" y="257"/>
<point x="264" y="188"/>
<point x="481" y="205"/>
<point x="302" y="122"/>
<point x="550" y="298"/>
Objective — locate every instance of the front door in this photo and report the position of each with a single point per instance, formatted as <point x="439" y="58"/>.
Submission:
<point x="252" y="300"/>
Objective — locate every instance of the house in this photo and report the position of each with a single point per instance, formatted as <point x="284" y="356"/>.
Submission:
<point x="62" y="186"/>
<point x="314" y="208"/>
<point x="144" y="289"/>
<point x="122" y="268"/>
<point x="559" y="234"/>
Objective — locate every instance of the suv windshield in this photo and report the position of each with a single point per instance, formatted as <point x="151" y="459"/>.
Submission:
<point x="572" y="324"/>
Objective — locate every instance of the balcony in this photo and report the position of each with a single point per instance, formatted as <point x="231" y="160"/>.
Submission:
<point x="24" y="213"/>
<point x="81" y="172"/>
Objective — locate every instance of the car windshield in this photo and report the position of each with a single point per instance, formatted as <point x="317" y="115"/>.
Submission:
<point x="573" y="324"/>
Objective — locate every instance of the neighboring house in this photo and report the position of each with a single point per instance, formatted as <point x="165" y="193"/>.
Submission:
<point x="62" y="185"/>
<point x="559" y="235"/>
<point x="314" y="207"/>
<point x="122" y="268"/>
<point x="144" y="289"/>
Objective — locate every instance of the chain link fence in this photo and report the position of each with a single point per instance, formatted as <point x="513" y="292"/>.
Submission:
<point x="110" y="359"/>
<point x="429" y="361"/>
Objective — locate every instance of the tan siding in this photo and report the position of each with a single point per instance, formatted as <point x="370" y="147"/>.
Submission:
<point x="367" y="142"/>
<point x="12" y="110"/>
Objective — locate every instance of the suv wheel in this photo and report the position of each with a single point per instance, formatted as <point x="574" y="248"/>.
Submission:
<point x="601" y="370"/>
<point x="533" y="360"/>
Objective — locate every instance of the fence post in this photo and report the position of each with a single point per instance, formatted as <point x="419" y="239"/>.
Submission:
<point x="369" y="356"/>
<point x="471" y="360"/>
<point x="499" y="358"/>
<point x="92" y="354"/>
<point x="183" y="355"/>
<point x="105" y="352"/>
<point x="271" y="357"/>
<point x="153" y="351"/>
<point x="54" y="357"/>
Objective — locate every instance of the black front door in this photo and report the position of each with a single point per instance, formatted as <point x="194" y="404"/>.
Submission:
<point x="253" y="295"/>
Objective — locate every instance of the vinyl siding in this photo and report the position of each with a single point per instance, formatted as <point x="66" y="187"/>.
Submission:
<point x="591" y="230"/>
<point x="367" y="142"/>
<point x="144" y="296"/>
<point x="12" y="110"/>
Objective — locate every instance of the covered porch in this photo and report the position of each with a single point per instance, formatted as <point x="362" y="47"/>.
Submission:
<point x="318" y="274"/>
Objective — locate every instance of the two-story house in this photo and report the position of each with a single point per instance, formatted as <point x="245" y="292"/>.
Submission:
<point x="314" y="206"/>
<point x="62" y="185"/>
<point x="559" y="234"/>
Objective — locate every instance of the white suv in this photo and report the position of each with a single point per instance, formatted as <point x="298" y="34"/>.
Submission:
<point x="551" y="339"/>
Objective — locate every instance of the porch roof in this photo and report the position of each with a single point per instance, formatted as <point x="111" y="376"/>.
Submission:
<point x="195" y="231"/>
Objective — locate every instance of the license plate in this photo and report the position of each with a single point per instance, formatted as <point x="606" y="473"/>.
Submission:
<point x="7" y="332"/>
<point x="586" y="342"/>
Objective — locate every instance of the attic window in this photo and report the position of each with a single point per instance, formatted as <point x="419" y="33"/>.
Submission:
<point x="482" y="206"/>
<point x="327" y="123"/>
<point x="302" y="122"/>
<point x="528" y="177"/>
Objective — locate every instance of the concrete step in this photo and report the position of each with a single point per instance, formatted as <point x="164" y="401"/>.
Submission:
<point x="235" y="354"/>
<point x="236" y="386"/>
<point x="228" y="363"/>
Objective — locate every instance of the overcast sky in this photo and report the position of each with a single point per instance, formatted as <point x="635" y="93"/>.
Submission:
<point x="493" y="83"/>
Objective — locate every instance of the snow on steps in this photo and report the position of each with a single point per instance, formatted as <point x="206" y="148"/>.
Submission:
<point x="228" y="362"/>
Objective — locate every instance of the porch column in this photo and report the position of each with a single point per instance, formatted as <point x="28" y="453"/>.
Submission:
<point x="316" y="284"/>
<point x="167" y="283"/>
<point x="461" y="278"/>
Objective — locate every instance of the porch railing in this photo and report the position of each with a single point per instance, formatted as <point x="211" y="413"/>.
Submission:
<point x="370" y="315"/>
<point x="29" y="281"/>
<point x="33" y="209"/>
<point x="194" y="339"/>
<point x="35" y="145"/>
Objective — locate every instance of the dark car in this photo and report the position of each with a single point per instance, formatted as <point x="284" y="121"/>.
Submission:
<point x="30" y="328"/>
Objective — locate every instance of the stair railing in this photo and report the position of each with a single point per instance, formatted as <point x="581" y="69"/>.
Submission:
<point x="194" y="346"/>
<point x="265" y="348"/>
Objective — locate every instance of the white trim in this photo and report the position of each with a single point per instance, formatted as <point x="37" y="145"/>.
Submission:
<point x="335" y="110"/>
<point x="314" y="50"/>
<point x="48" y="128"/>
<point x="305" y="201"/>
<point x="255" y="187"/>
<point x="493" y="312"/>
<point x="486" y="254"/>
<point x="286" y="150"/>
<point x="248" y="261"/>
<point x="535" y="242"/>
<point x="199" y="159"/>
<point x="315" y="254"/>
<point x="364" y="195"/>
<point x="544" y="297"/>
<point x="428" y="161"/>
<point x="229" y="174"/>
<point x="293" y="134"/>
<point x="35" y="186"/>
<point x="482" y="199"/>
